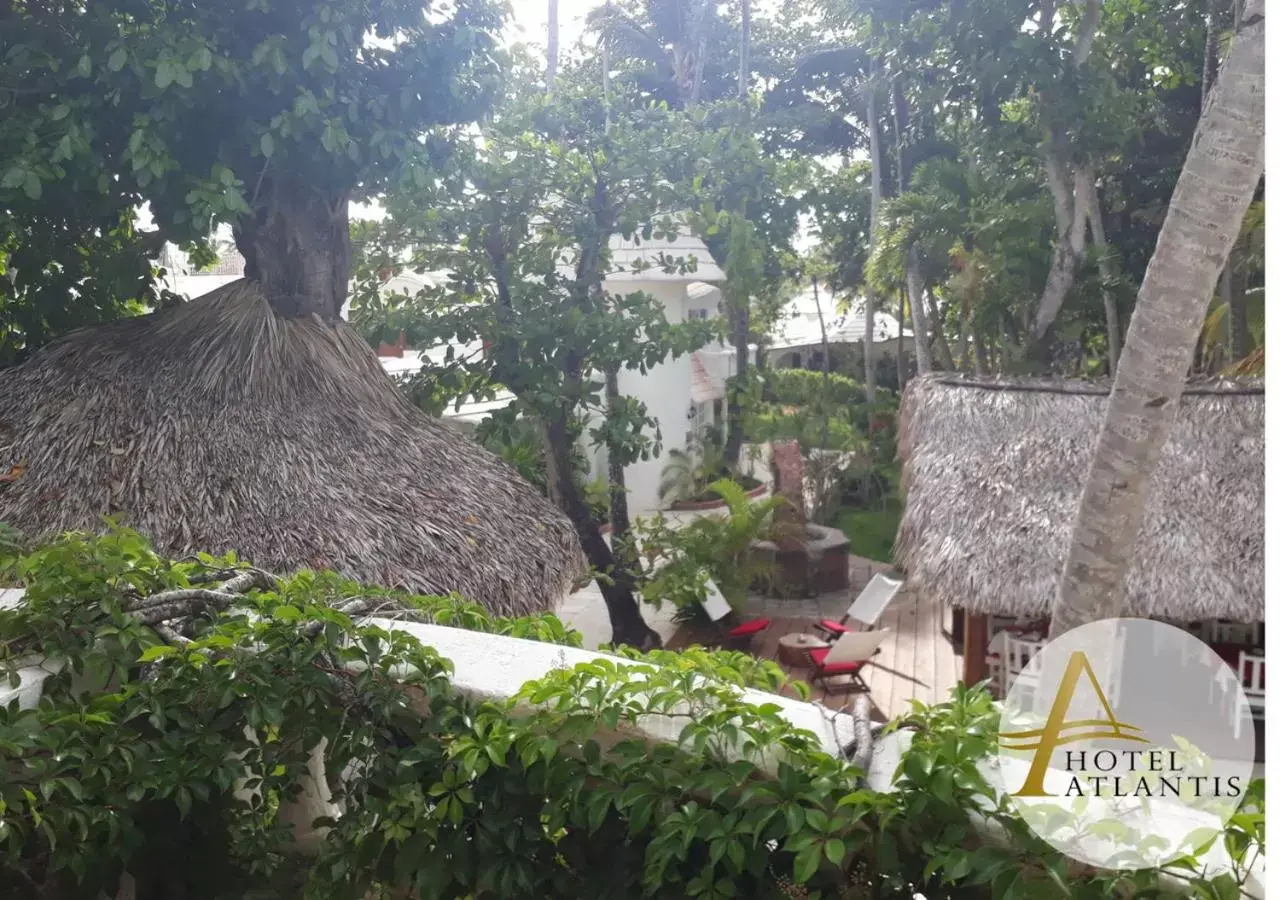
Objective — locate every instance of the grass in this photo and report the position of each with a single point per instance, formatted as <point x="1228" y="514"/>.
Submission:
<point x="871" y="531"/>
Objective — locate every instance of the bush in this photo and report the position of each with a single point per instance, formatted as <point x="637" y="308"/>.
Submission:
<point x="716" y="546"/>
<point x="173" y="753"/>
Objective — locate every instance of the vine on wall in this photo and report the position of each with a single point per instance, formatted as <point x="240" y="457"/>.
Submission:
<point x="167" y="756"/>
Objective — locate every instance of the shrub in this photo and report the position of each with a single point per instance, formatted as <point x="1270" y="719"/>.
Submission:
<point x="716" y="546"/>
<point x="173" y="753"/>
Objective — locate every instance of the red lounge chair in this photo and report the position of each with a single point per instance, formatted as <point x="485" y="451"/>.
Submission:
<point x="740" y="636"/>
<point x="866" y="609"/>
<point x="847" y="656"/>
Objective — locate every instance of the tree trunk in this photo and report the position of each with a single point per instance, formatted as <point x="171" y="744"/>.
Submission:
<point x="1094" y="214"/>
<point x="296" y="246"/>
<point x="739" y="322"/>
<point x="869" y="305"/>
<point x="619" y="514"/>
<point x="937" y="340"/>
<point x="553" y="42"/>
<point x="616" y="582"/>
<point x="966" y="345"/>
<point x="1069" y="211"/>
<point x="902" y="350"/>
<point x="744" y="54"/>
<point x="1208" y="205"/>
<point x="1237" y="313"/>
<point x="980" y="353"/>
<point x="1068" y="190"/>
<point x="919" y="316"/>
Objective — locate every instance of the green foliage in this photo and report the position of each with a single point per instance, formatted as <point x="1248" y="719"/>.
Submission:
<point x="177" y="764"/>
<point x="802" y="387"/>
<point x="872" y="532"/>
<point x="715" y="546"/>
<point x="207" y="112"/>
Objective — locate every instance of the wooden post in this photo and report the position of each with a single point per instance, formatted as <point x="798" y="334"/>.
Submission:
<point x="975" y="648"/>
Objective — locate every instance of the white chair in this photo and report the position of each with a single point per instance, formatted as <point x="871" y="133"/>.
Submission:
<point x="1246" y="634"/>
<point x="1019" y="660"/>
<point x="997" y="647"/>
<point x="716" y="606"/>
<point x="847" y="656"/>
<point x="866" y="608"/>
<point x="1251" y="670"/>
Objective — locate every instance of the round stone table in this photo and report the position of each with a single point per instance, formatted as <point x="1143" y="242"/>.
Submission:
<point x="793" y="649"/>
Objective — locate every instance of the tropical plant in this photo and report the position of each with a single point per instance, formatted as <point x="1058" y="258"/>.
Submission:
<point x="688" y="474"/>
<point x="714" y="547"/>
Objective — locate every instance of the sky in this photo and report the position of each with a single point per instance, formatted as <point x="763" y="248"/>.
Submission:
<point x="530" y="21"/>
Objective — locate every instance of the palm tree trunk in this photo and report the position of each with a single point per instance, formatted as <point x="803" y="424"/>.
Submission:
<point x="553" y="42"/>
<point x="919" y="315"/>
<point x="937" y="340"/>
<point x="980" y="353"/>
<point x="1214" y="190"/>
<point x="1237" y="314"/>
<point x="869" y="305"/>
<point x="902" y="350"/>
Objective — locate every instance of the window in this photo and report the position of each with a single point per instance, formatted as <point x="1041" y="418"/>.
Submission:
<point x="796" y="361"/>
<point x="697" y="314"/>
<point x="717" y="412"/>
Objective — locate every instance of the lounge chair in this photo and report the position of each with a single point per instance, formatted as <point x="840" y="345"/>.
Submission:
<point x="866" y="609"/>
<point x="739" y="636"/>
<point x="847" y="656"/>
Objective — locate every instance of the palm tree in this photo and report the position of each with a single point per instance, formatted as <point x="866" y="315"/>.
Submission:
<point x="669" y="38"/>
<point x="1209" y="203"/>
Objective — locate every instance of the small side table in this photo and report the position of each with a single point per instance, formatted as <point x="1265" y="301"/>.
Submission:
<point x="793" y="649"/>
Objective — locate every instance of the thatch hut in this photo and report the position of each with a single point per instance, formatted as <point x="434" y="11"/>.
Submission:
<point x="993" y="471"/>
<point x="220" y="426"/>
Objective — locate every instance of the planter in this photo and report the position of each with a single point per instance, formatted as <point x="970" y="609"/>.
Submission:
<point x="818" y="566"/>
<point x="755" y="493"/>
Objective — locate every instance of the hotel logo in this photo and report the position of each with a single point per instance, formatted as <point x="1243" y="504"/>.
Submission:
<point x="1124" y="745"/>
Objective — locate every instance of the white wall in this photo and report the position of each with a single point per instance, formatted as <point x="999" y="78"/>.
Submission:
<point x="665" y="391"/>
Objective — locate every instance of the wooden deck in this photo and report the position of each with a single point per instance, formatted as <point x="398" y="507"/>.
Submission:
<point x="916" y="662"/>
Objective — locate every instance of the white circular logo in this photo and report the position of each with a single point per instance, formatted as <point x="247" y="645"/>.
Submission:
<point x="1128" y="743"/>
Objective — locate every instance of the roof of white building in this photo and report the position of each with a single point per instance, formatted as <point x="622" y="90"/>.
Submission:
<point x="799" y="325"/>
<point x="627" y="254"/>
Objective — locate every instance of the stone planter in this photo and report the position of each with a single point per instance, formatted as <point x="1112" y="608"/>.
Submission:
<point x="703" y="505"/>
<point x="819" y="566"/>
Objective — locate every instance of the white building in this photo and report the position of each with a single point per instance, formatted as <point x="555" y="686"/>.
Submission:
<point x="796" y="342"/>
<point x="685" y="394"/>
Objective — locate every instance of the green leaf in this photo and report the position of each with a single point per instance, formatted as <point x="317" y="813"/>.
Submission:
<point x="31" y="186"/>
<point x="807" y="862"/>
<point x="268" y="145"/>
<point x="158" y="651"/>
<point x="834" y="850"/>
<point x="116" y="61"/>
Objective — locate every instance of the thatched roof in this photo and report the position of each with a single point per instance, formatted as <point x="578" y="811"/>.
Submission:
<point x="993" y="472"/>
<point x="219" y="426"/>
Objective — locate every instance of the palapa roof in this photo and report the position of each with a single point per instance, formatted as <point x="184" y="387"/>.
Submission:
<point x="993" y="472"/>
<point x="218" y="426"/>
